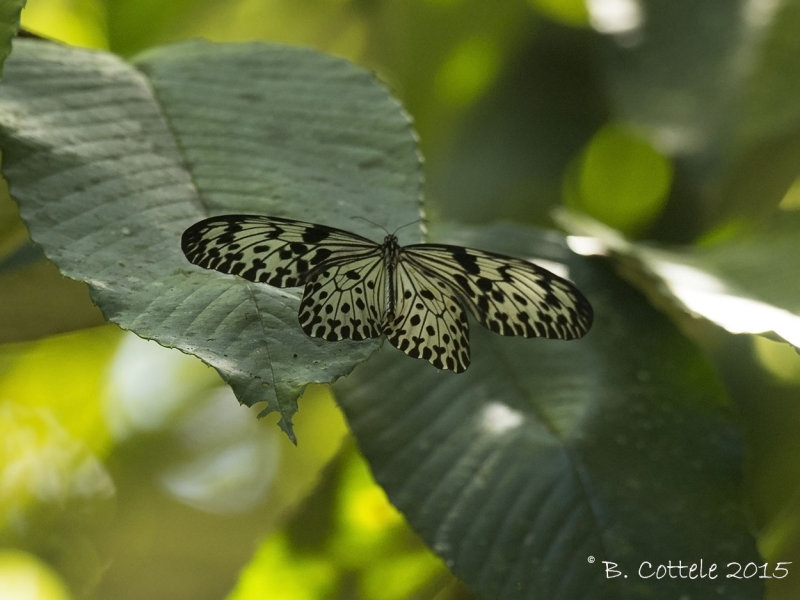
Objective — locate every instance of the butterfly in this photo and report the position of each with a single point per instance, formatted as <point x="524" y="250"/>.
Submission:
<point x="416" y="295"/>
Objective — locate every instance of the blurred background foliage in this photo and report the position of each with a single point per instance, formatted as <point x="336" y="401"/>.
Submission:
<point x="128" y="471"/>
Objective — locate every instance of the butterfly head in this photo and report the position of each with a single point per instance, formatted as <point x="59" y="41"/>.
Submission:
<point x="393" y="234"/>
<point x="391" y="249"/>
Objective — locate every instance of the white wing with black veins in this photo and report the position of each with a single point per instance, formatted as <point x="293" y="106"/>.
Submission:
<point x="429" y="321"/>
<point x="271" y="250"/>
<point x="345" y="301"/>
<point x="507" y="295"/>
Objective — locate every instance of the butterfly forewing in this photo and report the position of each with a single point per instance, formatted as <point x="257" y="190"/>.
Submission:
<point x="507" y="295"/>
<point x="272" y="250"/>
<point x="346" y="300"/>
<point x="428" y="321"/>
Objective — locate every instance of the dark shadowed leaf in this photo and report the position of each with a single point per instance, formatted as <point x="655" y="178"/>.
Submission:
<point x="546" y="458"/>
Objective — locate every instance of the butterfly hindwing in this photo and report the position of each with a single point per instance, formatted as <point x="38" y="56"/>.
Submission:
<point x="428" y="321"/>
<point x="272" y="250"/>
<point x="345" y="301"/>
<point x="507" y="295"/>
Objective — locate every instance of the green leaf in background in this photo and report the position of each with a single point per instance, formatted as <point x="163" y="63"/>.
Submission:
<point x="9" y="24"/>
<point x="569" y="12"/>
<point x="18" y="569"/>
<point x="120" y="457"/>
<point x="110" y="162"/>
<point x="507" y="159"/>
<point x="42" y="301"/>
<point x="619" y="179"/>
<point x="544" y="454"/>
<point x="321" y="553"/>
<point x="749" y="283"/>
<point x="716" y="87"/>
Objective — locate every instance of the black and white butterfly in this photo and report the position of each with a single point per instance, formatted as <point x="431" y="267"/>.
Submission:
<point x="416" y="295"/>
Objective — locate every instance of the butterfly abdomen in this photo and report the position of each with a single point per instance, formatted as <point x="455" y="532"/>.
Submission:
<point x="391" y="254"/>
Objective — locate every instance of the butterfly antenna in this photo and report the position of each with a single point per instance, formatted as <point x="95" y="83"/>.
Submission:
<point x="373" y="223"/>
<point x="414" y="222"/>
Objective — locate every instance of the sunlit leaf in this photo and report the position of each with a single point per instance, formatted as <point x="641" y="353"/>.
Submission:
<point x="63" y="376"/>
<point x="748" y="283"/>
<point x="81" y="23"/>
<point x="322" y="551"/>
<point x="9" y="23"/>
<point x="569" y="12"/>
<point x="43" y="465"/>
<point x="23" y="576"/>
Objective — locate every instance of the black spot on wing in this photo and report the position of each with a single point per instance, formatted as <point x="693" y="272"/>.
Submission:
<point x="465" y="260"/>
<point x="314" y="235"/>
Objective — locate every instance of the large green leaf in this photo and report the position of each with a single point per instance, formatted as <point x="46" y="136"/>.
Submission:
<point x="546" y="458"/>
<point x="111" y="161"/>
<point x="748" y="283"/>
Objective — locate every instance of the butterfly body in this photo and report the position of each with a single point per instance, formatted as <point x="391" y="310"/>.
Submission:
<point x="416" y="295"/>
